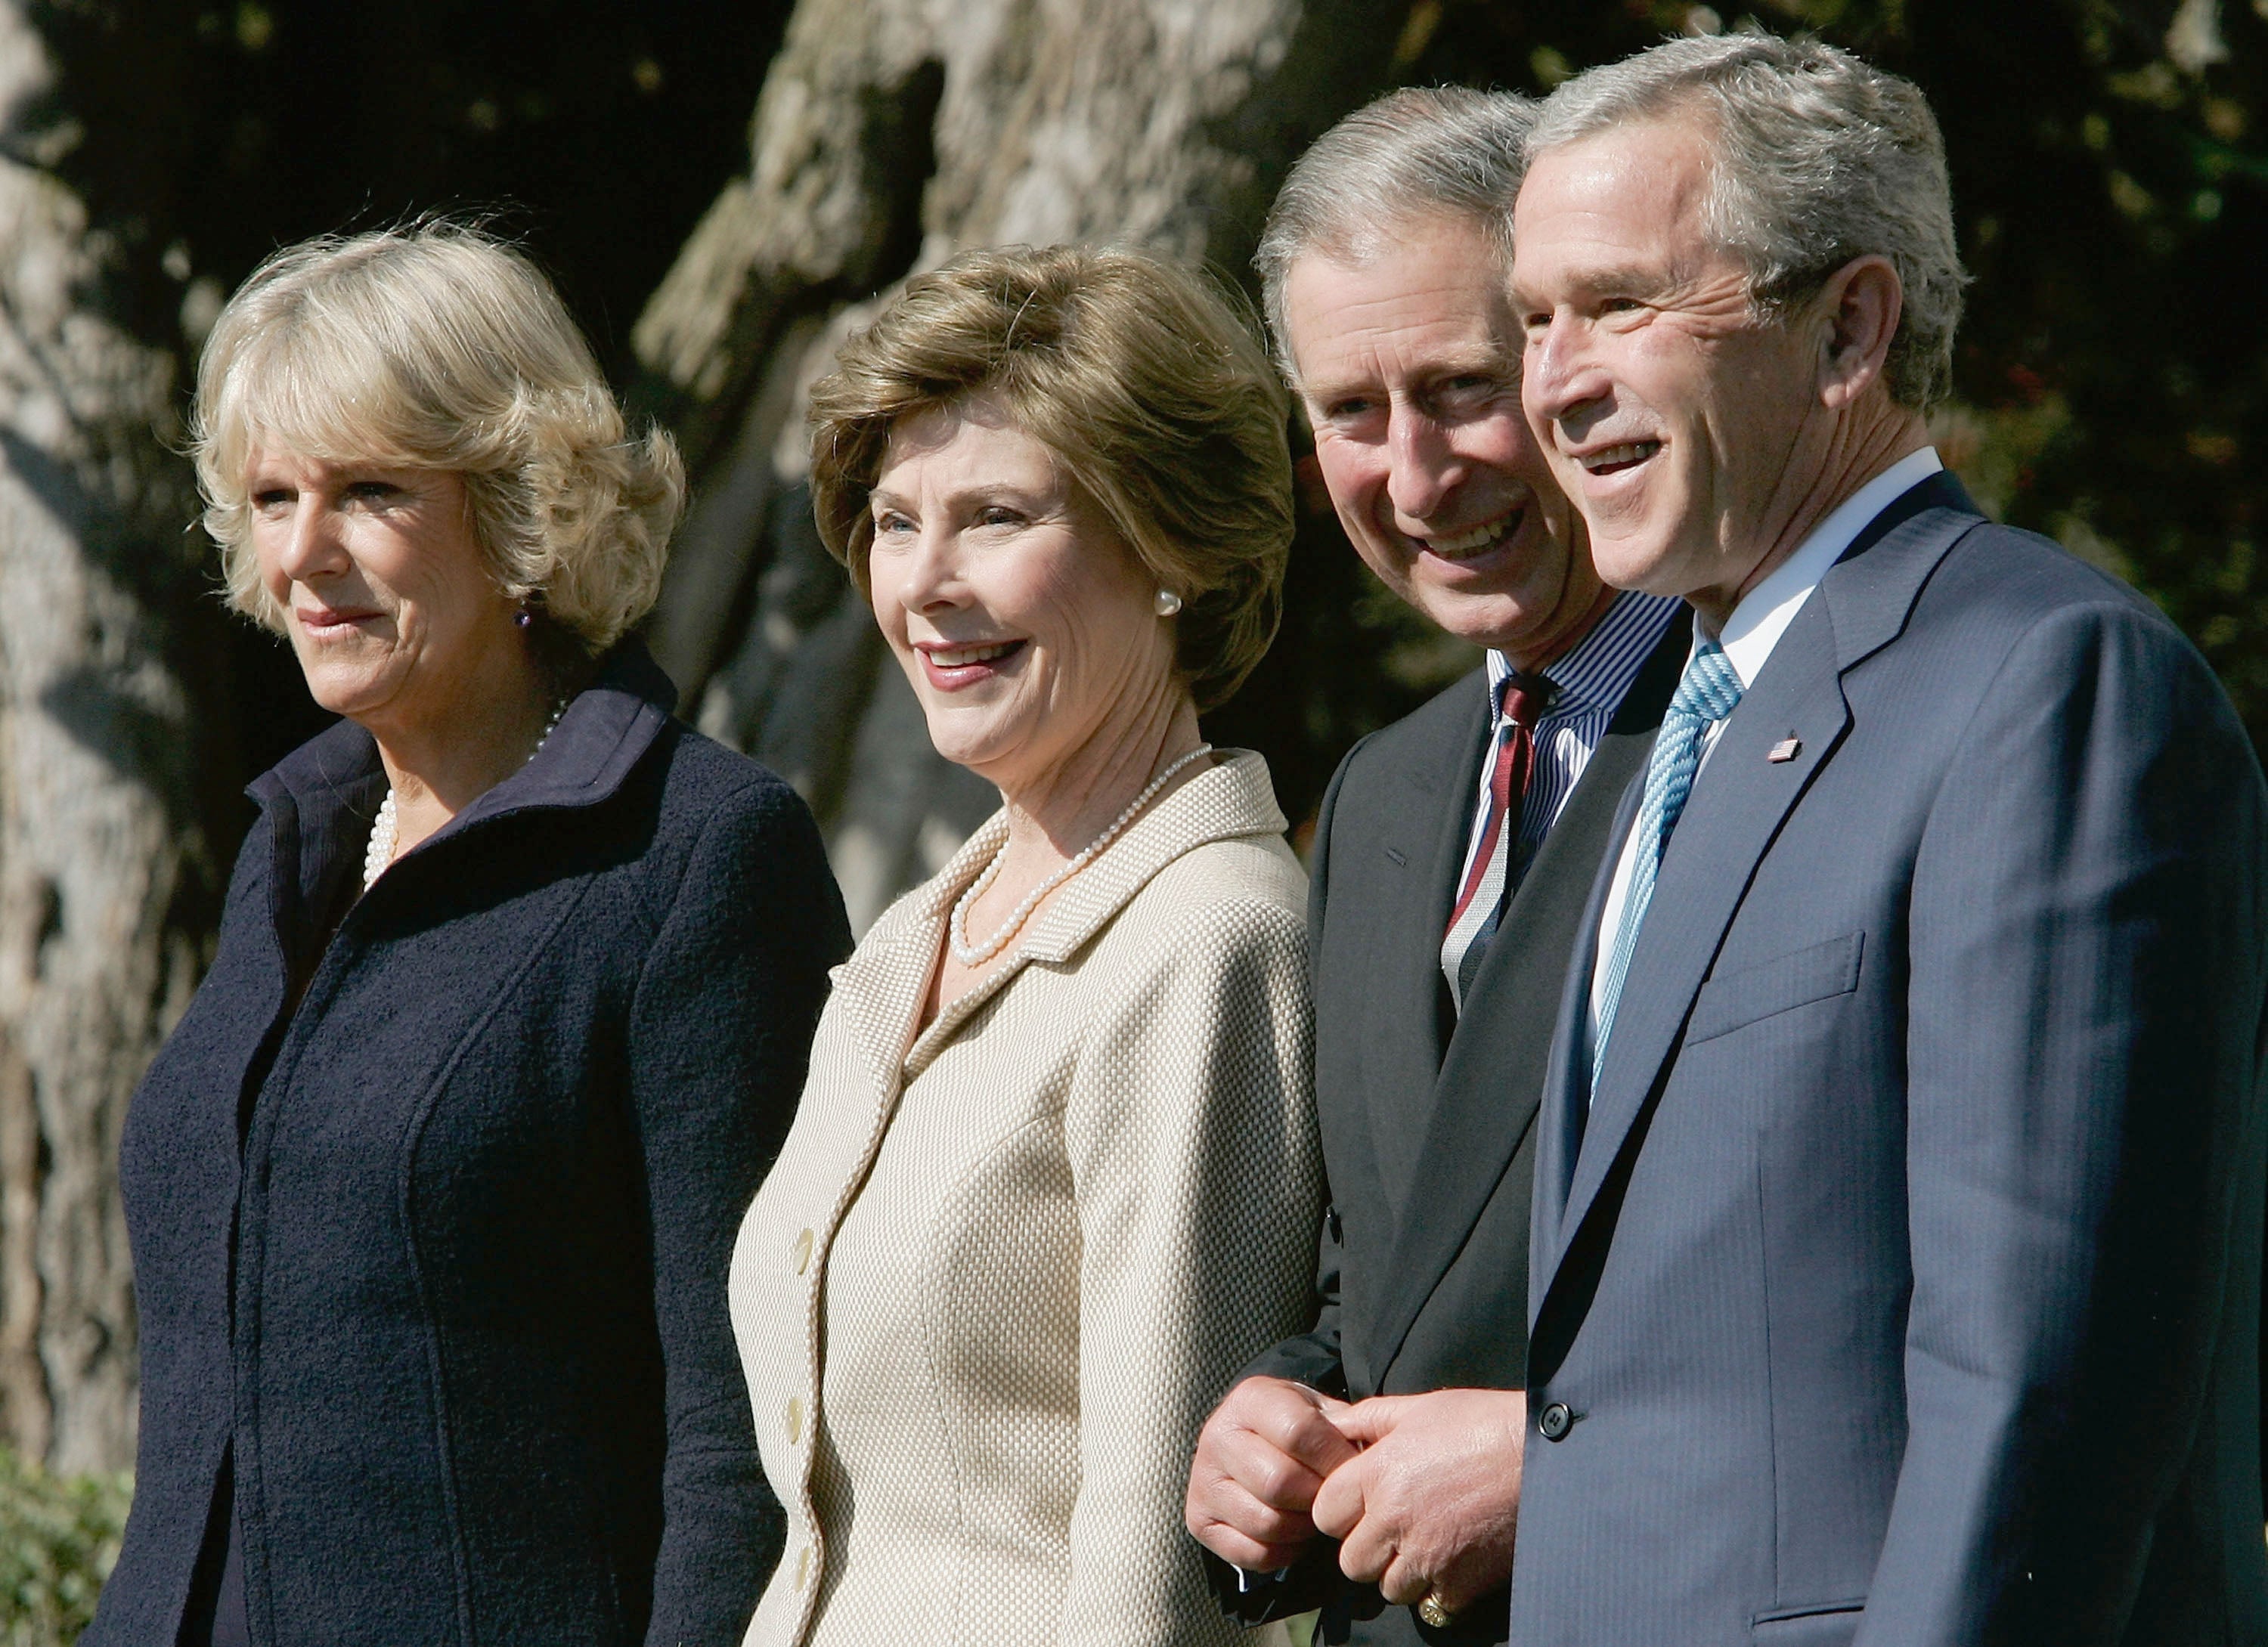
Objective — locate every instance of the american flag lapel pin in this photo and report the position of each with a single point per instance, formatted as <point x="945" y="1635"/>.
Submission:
<point x="1786" y="749"/>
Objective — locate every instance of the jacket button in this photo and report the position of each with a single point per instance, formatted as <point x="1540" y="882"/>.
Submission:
<point x="801" y="1252"/>
<point x="795" y="1419"/>
<point x="1555" y="1420"/>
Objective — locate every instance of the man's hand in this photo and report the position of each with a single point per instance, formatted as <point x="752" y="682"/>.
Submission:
<point x="1260" y="1459"/>
<point x="1430" y="1506"/>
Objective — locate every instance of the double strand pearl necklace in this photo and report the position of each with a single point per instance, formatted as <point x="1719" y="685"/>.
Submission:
<point x="956" y="926"/>
<point x="378" y="856"/>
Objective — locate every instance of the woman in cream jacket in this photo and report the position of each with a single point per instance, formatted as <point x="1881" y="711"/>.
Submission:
<point x="1054" y="1178"/>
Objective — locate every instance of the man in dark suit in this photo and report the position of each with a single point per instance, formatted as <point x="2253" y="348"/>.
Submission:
<point x="1451" y="862"/>
<point x="1898" y="1221"/>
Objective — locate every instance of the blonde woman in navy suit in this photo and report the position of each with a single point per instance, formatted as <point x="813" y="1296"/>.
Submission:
<point x="431" y="1188"/>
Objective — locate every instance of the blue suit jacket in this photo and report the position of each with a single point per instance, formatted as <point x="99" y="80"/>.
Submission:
<point x="1900" y="1281"/>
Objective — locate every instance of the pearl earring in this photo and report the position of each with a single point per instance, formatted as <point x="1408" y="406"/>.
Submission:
<point x="1167" y="604"/>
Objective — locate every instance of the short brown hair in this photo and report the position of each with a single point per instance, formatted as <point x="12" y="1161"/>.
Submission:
<point x="1138" y="375"/>
<point x="437" y="346"/>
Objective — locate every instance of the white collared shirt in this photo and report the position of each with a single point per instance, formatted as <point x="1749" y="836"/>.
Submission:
<point x="1749" y="636"/>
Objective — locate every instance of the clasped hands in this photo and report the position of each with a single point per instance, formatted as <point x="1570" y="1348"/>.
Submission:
<point x="1422" y="1491"/>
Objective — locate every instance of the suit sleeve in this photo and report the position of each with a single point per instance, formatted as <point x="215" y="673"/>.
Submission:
<point x="2083" y="1147"/>
<point x="1196" y="1173"/>
<point x="1312" y="1357"/>
<point x="720" y="1030"/>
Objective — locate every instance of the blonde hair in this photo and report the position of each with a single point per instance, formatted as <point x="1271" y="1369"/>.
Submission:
<point x="1137" y="376"/>
<point x="437" y="346"/>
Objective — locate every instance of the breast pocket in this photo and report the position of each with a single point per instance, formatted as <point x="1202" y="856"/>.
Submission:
<point x="1835" y="1625"/>
<point x="1772" y="987"/>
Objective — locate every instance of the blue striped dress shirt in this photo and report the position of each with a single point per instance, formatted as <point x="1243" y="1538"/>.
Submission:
<point x="1589" y="684"/>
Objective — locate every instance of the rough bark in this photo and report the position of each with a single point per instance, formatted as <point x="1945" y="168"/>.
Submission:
<point x="889" y="135"/>
<point x="98" y="832"/>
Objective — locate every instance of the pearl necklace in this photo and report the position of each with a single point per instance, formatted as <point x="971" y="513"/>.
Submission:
<point x="378" y="856"/>
<point x="956" y="926"/>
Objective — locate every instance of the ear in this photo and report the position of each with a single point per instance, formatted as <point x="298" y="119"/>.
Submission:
<point x="1858" y="311"/>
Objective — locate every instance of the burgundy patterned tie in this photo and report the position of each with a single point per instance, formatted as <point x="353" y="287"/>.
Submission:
<point x="1473" y="919"/>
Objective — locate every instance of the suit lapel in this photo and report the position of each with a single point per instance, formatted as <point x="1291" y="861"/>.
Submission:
<point x="1566" y="1088"/>
<point x="1422" y="828"/>
<point x="881" y="989"/>
<point x="1738" y="806"/>
<point x="1487" y="1098"/>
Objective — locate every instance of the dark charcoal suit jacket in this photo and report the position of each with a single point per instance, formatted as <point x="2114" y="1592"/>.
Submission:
<point x="1898" y="1283"/>
<point x="1427" y="1118"/>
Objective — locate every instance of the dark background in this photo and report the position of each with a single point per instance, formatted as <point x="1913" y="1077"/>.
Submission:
<point x="2109" y="174"/>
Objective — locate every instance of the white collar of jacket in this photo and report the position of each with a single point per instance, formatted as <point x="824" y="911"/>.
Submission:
<point x="879" y="986"/>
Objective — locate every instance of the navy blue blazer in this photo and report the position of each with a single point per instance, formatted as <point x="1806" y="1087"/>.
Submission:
<point x="1900" y="1281"/>
<point x="457" y="1309"/>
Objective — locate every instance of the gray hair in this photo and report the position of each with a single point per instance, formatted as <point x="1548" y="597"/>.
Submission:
<point x="1420" y="152"/>
<point x="1819" y="158"/>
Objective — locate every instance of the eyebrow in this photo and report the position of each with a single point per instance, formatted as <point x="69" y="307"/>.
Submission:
<point x="882" y="497"/>
<point x="1616" y="277"/>
<point x="1446" y="366"/>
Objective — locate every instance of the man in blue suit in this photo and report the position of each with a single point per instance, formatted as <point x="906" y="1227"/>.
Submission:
<point x="1895" y="1268"/>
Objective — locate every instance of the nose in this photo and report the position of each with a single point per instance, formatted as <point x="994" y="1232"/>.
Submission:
<point x="312" y="546"/>
<point x="1557" y="375"/>
<point x="929" y="572"/>
<point x="1424" y="467"/>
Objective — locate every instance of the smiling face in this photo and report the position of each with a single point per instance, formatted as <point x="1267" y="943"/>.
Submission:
<point x="1687" y="431"/>
<point x="387" y="602"/>
<point x="1024" y="622"/>
<point x="1410" y="368"/>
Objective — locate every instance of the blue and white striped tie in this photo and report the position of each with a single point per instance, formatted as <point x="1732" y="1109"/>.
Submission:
<point x="1706" y="694"/>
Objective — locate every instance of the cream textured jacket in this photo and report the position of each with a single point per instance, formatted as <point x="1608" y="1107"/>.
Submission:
<point x="1003" y="1268"/>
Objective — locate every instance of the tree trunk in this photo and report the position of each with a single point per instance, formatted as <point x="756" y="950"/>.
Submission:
<point x="98" y="829"/>
<point x="891" y="134"/>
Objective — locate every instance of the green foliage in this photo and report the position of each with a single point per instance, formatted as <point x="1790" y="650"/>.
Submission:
<point x="58" y="1537"/>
